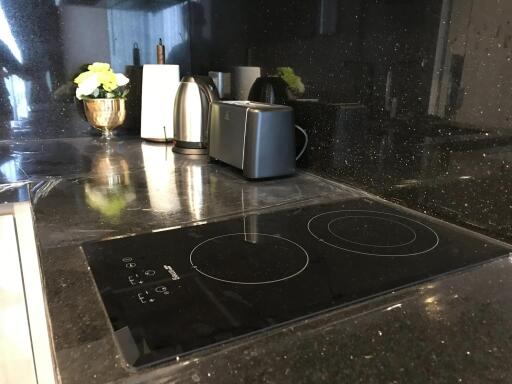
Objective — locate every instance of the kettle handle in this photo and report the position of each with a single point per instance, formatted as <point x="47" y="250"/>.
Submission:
<point x="209" y="91"/>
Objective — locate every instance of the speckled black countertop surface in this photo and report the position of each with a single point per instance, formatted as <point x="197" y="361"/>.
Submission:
<point x="453" y="329"/>
<point x="455" y="172"/>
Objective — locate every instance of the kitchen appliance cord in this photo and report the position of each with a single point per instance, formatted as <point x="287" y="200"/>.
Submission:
<point x="306" y="139"/>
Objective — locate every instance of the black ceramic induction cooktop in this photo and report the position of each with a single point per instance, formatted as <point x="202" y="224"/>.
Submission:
<point x="170" y="293"/>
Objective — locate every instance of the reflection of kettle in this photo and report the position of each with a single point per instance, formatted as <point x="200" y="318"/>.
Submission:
<point x="193" y="182"/>
<point x="269" y="89"/>
<point x="192" y="114"/>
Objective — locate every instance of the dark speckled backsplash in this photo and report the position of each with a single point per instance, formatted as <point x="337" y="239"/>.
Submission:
<point x="445" y="58"/>
<point x="409" y="99"/>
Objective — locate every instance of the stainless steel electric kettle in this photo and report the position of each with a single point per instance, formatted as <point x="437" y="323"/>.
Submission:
<point x="192" y="114"/>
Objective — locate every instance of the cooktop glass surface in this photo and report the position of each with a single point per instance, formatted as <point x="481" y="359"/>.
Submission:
<point x="170" y="293"/>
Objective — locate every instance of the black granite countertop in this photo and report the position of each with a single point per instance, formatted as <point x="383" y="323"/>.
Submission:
<point x="453" y="329"/>
<point x="458" y="173"/>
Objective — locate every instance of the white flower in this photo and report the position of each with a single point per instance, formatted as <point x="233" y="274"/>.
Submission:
<point x="87" y="86"/>
<point x="121" y="79"/>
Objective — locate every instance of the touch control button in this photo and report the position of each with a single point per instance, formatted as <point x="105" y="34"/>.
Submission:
<point x="150" y="272"/>
<point x="162" y="289"/>
<point x="127" y="259"/>
<point x="135" y="279"/>
<point x="130" y="265"/>
<point x="144" y="297"/>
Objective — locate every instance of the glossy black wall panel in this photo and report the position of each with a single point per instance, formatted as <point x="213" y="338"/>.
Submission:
<point x="348" y="60"/>
<point x="345" y="51"/>
<point x="235" y="32"/>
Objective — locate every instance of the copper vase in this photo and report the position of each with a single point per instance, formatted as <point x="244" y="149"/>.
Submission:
<point x="105" y="114"/>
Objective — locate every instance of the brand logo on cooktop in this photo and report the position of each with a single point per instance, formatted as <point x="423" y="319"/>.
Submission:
<point x="172" y="272"/>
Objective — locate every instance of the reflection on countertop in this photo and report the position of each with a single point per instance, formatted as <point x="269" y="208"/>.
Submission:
<point x="110" y="188"/>
<point x="457" y="173"/>
<point x="85" y="189"/>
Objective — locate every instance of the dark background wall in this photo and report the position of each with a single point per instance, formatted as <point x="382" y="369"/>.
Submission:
<point x="344" y="49"/>
<point x="433" y="54"/>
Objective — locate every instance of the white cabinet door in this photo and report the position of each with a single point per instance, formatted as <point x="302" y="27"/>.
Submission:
<point x="16" y="357"/>
<point x="25" y="351"/>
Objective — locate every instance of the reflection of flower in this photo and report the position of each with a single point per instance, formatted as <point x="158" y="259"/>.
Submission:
<point x="99" y="81"/>
<point x="294" y="82"/>
<point x="109" y="190"/>
<point x="110" y="202"/>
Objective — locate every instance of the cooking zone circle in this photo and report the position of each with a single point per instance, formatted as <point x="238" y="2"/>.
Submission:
<point x="373" y="233"/>
<point x="249" y="258"/>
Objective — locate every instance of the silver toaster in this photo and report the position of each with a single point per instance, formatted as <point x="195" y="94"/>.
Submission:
<point x="257" y="138"/>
